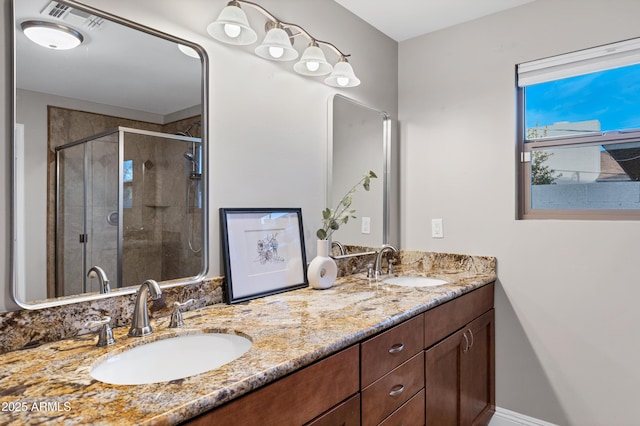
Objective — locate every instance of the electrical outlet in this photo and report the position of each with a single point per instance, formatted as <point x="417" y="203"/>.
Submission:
<point x="366" y="225"/>
<point x="437" y="231"/>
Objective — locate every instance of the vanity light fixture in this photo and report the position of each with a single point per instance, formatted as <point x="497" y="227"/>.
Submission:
<point x="52" y="35"/>
<point x="232" y="27"/>
<point x="313" y="62"/>
<point x="277" y="45"/>
<point x="342" y="75"/>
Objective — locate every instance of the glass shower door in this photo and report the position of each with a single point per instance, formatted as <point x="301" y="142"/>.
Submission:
<point x="70" y="220"/>
<point x="87" y="214"/>
<point x="101" y="246"/>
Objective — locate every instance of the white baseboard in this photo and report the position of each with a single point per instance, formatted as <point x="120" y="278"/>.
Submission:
<point x="504" y="417"/>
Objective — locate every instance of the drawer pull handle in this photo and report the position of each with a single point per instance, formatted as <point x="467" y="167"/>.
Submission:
<point x="398" y="347"/>
<point x="466" y="349"/>
<point x="396" y="390"/>
<point x="471" y="334"/>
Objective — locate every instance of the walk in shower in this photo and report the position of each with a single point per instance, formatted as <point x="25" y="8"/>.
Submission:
<point x="130" y="202"/>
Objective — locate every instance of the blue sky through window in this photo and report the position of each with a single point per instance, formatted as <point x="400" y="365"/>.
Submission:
<point x="127" y="171"/>
<point x="612" y="97"/>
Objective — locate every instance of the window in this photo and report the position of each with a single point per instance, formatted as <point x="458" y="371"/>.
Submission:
<point x="127" y="171"/>
<point x="127" y="180"/>
<point x="579" y="125"/>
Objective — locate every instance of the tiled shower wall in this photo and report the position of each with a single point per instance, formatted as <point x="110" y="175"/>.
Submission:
<point x="156" y="234"/>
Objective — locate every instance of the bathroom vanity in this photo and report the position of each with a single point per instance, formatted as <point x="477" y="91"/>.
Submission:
<point x="361" y="352"/>
<point x="442" y="360"/>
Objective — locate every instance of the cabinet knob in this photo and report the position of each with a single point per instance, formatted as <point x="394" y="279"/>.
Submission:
<point x="398" y="347"/>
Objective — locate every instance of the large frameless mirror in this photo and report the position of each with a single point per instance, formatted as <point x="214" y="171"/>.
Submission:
<point x="110" y="154"/>
<point x="361" y="139"/>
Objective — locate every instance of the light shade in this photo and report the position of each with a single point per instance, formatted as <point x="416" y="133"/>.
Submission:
<point x="313" y="62"/>
<point x="232" y="27"/>
<point x="277" y="46"/>
<point x="342" y="75"/>
<point x="189" y="51"/>
<point x="51" y="35"/>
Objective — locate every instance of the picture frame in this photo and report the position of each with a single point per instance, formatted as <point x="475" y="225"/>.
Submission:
<point x="263" y="252"/>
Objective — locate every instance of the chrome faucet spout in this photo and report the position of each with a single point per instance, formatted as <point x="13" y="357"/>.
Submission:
<point x="140" y="321"/>
<point x="383" y="249"/>
<point x="96" y="271"/>
<point x="338" y="244"/>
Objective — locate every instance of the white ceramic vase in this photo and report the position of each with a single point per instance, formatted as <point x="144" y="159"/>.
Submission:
<point x="322" y="270"/>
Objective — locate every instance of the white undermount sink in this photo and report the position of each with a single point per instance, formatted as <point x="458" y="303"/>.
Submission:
<point x="171" y="359"/>
<point x="409" y="281"/>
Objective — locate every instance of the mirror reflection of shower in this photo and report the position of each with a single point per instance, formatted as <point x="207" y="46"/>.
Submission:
<point x="194" y="188"/>
<point x="140" y="220"/>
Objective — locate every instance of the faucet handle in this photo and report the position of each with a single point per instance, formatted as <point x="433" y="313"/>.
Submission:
<point x="390" y="266"/>
<point x="105" y="336"/>
<point x="370" y="273"/>
<point x="176" y="315"/>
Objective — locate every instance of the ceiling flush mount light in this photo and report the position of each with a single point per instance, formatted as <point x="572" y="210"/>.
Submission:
<point x="51" y="35"/>
<point x="276" y="45"/>
<point x="342" y="75"/>
<point x="232" y="27"/>
<point x="313" y="62"/>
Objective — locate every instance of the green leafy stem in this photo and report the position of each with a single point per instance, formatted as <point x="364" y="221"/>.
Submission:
<point x="333" y="218"/>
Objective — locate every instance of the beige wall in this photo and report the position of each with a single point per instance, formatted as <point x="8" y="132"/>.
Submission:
<point x="268" y="125"/>
<point x="567" y="300"/>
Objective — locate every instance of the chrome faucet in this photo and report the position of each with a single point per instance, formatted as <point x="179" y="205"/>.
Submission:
<point x="140" y="321"/>
<point x="340" y="247"/>
<point x="378" y="265"/>
<point x="96" y="271"/>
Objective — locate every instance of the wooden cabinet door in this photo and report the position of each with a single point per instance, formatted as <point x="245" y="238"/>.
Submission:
<point x="459" y="376"/>
<point x="477" y="387"/>
<point x="442" y="381"/>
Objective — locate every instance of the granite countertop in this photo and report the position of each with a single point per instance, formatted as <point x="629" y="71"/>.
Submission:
<point x="51" y="383"/>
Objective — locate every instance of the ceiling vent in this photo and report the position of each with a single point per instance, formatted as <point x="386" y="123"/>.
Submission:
<point x="71" y="16"/>
<point x="55" y="10"/>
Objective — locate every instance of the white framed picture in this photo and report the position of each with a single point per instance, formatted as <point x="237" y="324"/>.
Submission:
<point x="263" y="252"/>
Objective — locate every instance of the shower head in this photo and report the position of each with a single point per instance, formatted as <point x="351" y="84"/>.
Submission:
<point x="190" y="155"/>
<point x="186" y="131"/>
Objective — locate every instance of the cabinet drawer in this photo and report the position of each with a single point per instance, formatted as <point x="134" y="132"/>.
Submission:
<point x="443" y="320"/>
<point x="295" y="399"/>
<point x="410" y="414"/>
<point x="345" y="414"/>
<point x="383" y="353"/>
<point x="388" y="393"/>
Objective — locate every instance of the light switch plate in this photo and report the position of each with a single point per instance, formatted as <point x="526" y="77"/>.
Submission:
<point x="437" y="230"/>
<point x="366" y="225"/>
